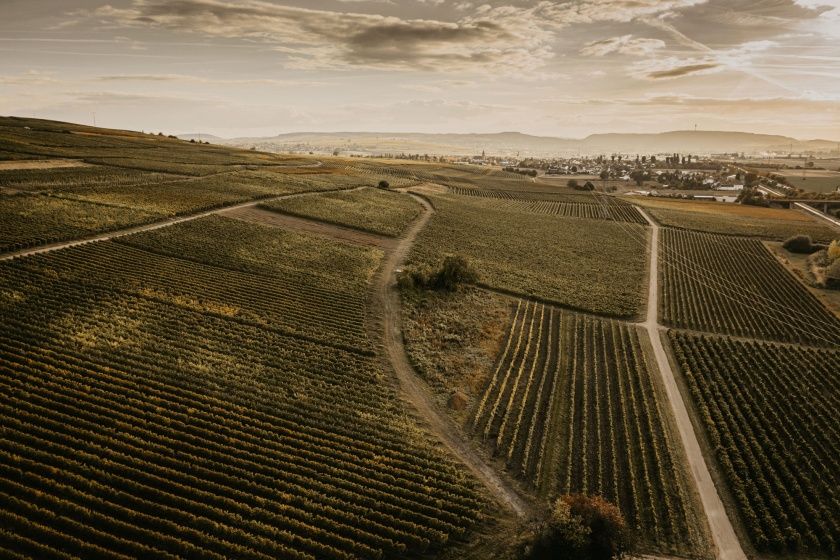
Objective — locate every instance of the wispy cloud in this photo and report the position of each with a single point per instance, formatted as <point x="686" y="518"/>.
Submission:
<point x="625" y="44"/>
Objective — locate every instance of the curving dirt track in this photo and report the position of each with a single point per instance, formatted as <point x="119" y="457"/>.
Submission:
<point x="387" y="300"/>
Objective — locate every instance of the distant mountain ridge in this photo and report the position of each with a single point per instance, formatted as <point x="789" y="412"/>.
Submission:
<point x="511" y="143"/>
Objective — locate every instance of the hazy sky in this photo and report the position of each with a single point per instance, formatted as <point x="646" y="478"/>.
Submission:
<point x="560" y="68"/>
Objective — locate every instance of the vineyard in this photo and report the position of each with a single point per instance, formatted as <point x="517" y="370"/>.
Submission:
<point x="29" y="220"/>
<point x="167" y="406"/>
<point x="122" y="179"/>
<point x="735" y="219"/>
<point x="732" y="285"/>
<point x="285" y="293"/>
<point x="769" y="411"/>
<point x="530" y="254"/>
<point x="371" y="210"/>
<point x="566" y="205"/>
<point x="572" y="406"/>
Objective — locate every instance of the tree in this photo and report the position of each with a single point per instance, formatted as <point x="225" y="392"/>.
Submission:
<point x="456" y="270"/>
<point x="799" y="244"/>
<point x="581" y="528"/>
<point x="604" y="175"/>
<point x="639" y="176"/>
<point x="383" y="184"/>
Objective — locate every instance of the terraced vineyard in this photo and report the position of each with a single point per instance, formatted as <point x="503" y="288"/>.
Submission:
<point x="163" y="406"/>
<point x="530" y="254"/>
<point x="770" y="413"/>
<point x="572" y="406"/>
<point x="732" y="285"/>
<point x="371" y="210"/>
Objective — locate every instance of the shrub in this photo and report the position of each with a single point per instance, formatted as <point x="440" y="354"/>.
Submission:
<point x="581" y="528"/>
<point x="454" y="271"/>
<point x="573" y="184"/>
<point x="799" y="244"/>
<point x="383" y="184"/>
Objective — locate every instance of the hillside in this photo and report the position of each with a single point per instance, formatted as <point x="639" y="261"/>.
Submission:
<point x="513" y="143"/>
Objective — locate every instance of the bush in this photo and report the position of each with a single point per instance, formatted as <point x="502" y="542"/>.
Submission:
<point x="384" y="184"/>
<point x="799" y="244"/>
<point x="454" y="271"/>
<point x="573" y="184"/>
<point x="581" y="528"/>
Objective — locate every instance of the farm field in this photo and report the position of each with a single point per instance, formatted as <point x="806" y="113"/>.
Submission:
<point x="371" y="210"/>
<point x="735" y="219"/>
<point x="768" y="411"/>
<point x="30" y="220"/>
<point x="732" y="285"/>
<point x="136" y="178"/>
<point x="155" y="404"/>
<point x="529" y="254"/>
<point x="817" y="180"/>
<point x="573" y="406"/>
<point x="560" y="194"/>
<point x="279" y="284"/>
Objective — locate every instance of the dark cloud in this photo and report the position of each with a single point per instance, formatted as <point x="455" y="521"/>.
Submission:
<point x="326" y="38"/>
<point x="681" y="71"/>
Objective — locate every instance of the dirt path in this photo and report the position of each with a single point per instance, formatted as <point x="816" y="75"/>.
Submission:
<point x="387" y="300"/>
<point x="153" y="226"/>
<point x="725" y="540"/>
<point x="295" y="223"/>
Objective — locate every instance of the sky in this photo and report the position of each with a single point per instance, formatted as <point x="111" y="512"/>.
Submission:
<point x="545" y="67"/>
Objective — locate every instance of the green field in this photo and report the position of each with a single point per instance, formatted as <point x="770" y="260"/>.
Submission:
<point x="371" y="210"/>
<point x="590" y="265"/>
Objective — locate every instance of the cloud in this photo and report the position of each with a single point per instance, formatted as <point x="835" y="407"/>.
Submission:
<point x="625" y="44"/>
<point x="484" y="37"/>
<point x="680" y="71"/>
<point x="29" y="78"/>
<point x="324" y="38"/>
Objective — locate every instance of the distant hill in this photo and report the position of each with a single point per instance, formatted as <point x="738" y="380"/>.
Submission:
<point x="511" y="143"/>
<point x="201" y="136"/>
